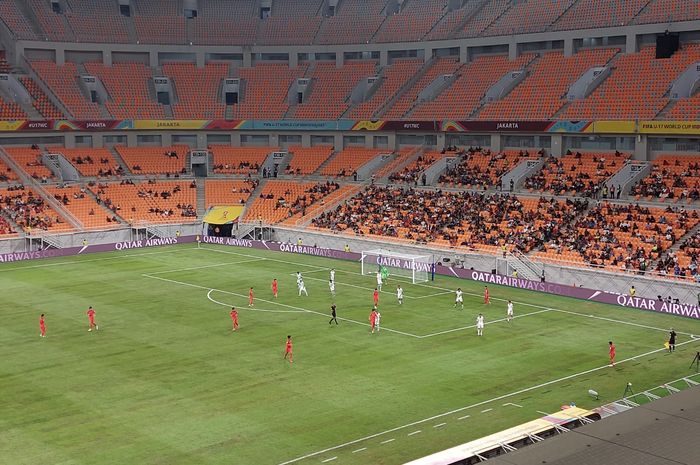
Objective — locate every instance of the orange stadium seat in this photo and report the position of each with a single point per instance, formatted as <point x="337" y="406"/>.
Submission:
<point x="239" y="160"/>
<point x="151" y="202"/>
<point x="30" y="211"/>
<point x="616" y="99"/>
<point x="292" y="22"/>
<point x="672" y="177"/>
<point x="11" y="110"/>
<point x="90" y="161"/>
<point x="543" y="93"/>
<point x="30" y="161"/>
<point x="448" y="24"/>
<point x="413" y="22"/>
<point x="266" y="90"/>
<point x="52" y="24"/>
<point x="63" y="82"/>
<point x="127" y="85"/>
<point x="112" y="27"/>
<point x="41" y="101"/>
<point x="280" y="200"/>
<point x="464" y="96"/>
<point x="485" y="15"/>
<point x="154" y="160"/>
<point x="353" y="23"/>
<point x="82" y="206"/>
<point x="331" y="88"/>
<point x="666" y="11"/>
<point x="409" y="98"/>
<point x="596" y="14"/>
<point x="197" y="89"/>
<point x="227" y="191"/>
<point x="393" y="77"/>
<point x="16" y="21"/>
<point x="349" y="160"/>
<point x="306" y="160"/>
<point x="483" y="169"/>
<point x="528" y="16"/>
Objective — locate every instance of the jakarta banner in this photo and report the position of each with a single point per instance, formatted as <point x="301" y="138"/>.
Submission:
<point x="223" y="214"/>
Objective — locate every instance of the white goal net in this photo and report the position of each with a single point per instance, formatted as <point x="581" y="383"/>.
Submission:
<point x="416" y="268"/>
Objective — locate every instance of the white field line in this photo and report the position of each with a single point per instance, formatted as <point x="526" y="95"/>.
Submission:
<point x="448" y="291"/>
<point x="388" y="441"/>
<point x="359" y="450"/>
<point x="464" y="417"/>
<point x="414" y="432"/>
<point x="252" y="309"/>
<point x="433" y="295"/>
<point x="73" y="262"/>
<point x="286" y="262"/>
<point x="618" y="321"/>
<point x="477" y="404"/>
<point x="514" y="405"/>
<point x="206" y="266"/>
<point x="197" y="286"/>
<point x="355" y="286"/>
<point x="486" y="410"/>
<point x="439" y="425"/>
<point x="522" y="315"/>
<point x="330" y="459"/>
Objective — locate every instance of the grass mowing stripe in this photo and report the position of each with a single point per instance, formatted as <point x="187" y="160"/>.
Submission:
<point x="478" y="404"/>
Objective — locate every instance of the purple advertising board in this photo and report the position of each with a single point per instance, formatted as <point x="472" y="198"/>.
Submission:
<point x="622" y="300"/>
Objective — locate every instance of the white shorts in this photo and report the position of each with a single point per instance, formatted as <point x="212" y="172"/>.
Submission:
<point x="510" y="313"/>
<point x="480" y="326"/>
<point x="459" y="300"/>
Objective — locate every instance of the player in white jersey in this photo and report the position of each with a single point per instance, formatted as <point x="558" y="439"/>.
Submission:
<point x="299" y="278"/>
<point x="399" y="294"/>
<point x="379" y="281"/>
<point x="332" y="274"/>
<point x="377" y="320"/>
<point x="459" y="298"/>
<point x="302" y="287"/>
<point x="331" y="286"/>
<point x="480" y="325"/>
<point x="509" y="311"/>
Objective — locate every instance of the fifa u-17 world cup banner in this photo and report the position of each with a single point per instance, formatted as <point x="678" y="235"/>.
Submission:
<point x="621" y="300"/>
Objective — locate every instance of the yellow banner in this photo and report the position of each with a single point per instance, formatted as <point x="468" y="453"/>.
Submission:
<point x="11" y="125"/>
<point x="170" y="124"/>
<point x="669" y="127"/>
<point x="612" y="127"/>
<point x="223" y="214"/>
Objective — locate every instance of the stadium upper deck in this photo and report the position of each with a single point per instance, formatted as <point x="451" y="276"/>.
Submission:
<point x="303" y="22"/>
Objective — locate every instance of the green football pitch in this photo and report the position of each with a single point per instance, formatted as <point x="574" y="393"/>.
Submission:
<point x="165" y="381"/>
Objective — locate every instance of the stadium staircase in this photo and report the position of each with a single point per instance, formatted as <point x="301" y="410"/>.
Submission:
<point x="201" y="199"/>
<point x="320" y="168"/>
<point x="527" y="68"/>
<point x="329" y="203"/>
<point x="121" y="161"/>
<point x="410" y="82"/>
<point x="549" y="27"/>
<point x="103" y="207"/>
<point x="526" y="268"/>
<point x="131" y="29"/>
<point x="26" y="107"/>
<point x="25" y="8"/>
<point x="398" y="163"/>
<point x="253" y="196"/>
<point x="462" y="24"/>
<point x="14" y="225"/>
<point x="34" y="76"/>
<point x="28" y="181"/>
<point x="104" y="113"/>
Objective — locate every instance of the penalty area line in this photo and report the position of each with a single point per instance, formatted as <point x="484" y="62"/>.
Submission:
<point x="477" y="404"/>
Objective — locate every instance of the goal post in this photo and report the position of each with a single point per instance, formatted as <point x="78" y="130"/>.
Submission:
<point x="417" y="268"/>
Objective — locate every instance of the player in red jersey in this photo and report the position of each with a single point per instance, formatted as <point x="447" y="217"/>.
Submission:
<point x="375" y="296"/>
<point x="42" y="326"/>
<point x="234" y="318"/>
<point x="373" y="319"/>
<point x="612" y="353"/>
<point x="288" y="349"/>
<point x="274" y="288"/>
<point x="487" y="298"/>
<point x="91" y="319"/>
<point x="251" y="297"/>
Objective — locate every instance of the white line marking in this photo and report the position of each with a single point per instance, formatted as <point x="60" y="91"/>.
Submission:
<point x="617" y="321"/>
<point x="439" y="425"/>
<point x="330" y="459"/>
<point x="356" y="286"/>
<point x="415" y="432"/>
<point x="206" y="266"/>
<point x="359" y="450"/>
<point x="253" y="309"/>
<point x="387" y="441"/>
<point x="317" y="268"/>
<point x="197" y="286"/>
<point x="486" y="410"/>
<point x="432" y="295"/>
<point x="543" y="413"/>
<point x="73" y="262"/>
<point x="478" y="404"/>
<point x="521" y="315"/>
<point x="464" y="417"/>
<point x="511" y="403"/>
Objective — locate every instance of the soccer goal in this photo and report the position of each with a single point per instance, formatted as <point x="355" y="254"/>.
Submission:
<point x="417" y="268"/>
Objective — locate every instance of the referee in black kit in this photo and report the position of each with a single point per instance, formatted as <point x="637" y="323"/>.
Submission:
<point x="333" y="315"/>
